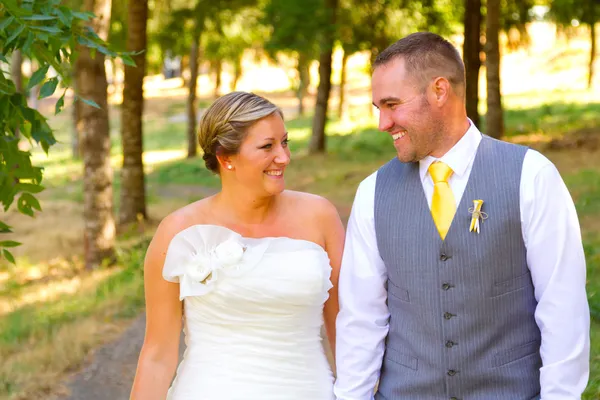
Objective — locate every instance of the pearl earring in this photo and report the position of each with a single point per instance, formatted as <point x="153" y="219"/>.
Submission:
<point x="229" y="167"/>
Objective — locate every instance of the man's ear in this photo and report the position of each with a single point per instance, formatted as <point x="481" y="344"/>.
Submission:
<point x="440" y="90"/>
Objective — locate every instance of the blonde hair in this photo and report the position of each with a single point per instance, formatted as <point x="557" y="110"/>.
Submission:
<point x="224" y="125"/>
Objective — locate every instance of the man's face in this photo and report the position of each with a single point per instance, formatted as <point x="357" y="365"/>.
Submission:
<point x="405" y="112"/>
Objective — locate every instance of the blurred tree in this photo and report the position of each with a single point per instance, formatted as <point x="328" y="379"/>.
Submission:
<point x="133" y="191"/>
<point x="16" y="71"/>
<point x="494" y="117"/>
<point x="99" y="228"/>
<point x="317" y="139"/>
<point x="295" y="27"/>
<point x="227" y="35"/>
<point x="374" y="25"/>
<point x="191" y="23"/>
<point x="587" y="12"/>
<point x="515" y="14"/>
<point x="471" y="56"/>
<point x="47" y="33"/>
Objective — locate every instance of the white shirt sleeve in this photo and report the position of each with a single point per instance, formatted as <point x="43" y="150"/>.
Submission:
<point x="557" y="263"/>
<point x="362" y="323"/>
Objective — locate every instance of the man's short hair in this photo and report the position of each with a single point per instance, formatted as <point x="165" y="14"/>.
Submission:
<point x="427" y="56"/>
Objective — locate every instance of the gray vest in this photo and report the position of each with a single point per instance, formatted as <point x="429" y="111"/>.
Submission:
<point x="462" y="310"/>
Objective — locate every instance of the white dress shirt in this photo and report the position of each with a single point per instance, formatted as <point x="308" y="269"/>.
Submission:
<point x="555" y="258"/>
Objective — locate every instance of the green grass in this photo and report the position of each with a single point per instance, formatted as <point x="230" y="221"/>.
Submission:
<point x="40" y="319"/>
<point x="56" y="334"/>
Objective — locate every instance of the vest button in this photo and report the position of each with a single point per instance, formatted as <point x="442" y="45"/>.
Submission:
<point x="450" y="344"/>
<point x="452" y="372"/>
<point x="443" y="257"/>
<point x="447" y="315"/>
<point x="446" y="286"/>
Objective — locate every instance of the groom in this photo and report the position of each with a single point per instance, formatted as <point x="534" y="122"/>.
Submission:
<point x="443" y="296"/>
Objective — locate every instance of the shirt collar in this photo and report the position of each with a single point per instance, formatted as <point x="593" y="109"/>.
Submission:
<point x="459" y="157"/>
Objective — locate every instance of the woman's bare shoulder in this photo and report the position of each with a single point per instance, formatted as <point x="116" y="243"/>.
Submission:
<point x="310" y="202"/>
<point x="195" y="213"/>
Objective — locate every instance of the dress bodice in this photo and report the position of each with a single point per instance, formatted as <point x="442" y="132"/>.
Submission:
<point x="252" y="315"/>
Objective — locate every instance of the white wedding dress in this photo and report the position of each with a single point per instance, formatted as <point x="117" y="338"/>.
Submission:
<point x="252" y="316"/>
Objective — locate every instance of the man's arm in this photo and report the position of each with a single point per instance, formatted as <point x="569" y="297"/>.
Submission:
<point x="362" y="323"/>
<point x="557" y="264"/>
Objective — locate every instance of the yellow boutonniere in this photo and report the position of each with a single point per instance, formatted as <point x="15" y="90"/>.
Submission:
<point x="476" y="215"/>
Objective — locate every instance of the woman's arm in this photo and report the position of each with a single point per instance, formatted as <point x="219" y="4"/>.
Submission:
<point x="333" y="230"/>
<point x="159" y="355"/>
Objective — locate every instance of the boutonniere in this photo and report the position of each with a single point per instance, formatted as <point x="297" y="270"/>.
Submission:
<point x="476" y="215"/>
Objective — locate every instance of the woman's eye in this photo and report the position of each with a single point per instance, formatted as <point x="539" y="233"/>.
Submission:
<point x="267" y="146"/>
<point x="285" y="142"/>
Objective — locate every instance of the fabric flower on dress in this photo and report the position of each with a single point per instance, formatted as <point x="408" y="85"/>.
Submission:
<point x="203" y="268"/>
<point x="229" y="253"/>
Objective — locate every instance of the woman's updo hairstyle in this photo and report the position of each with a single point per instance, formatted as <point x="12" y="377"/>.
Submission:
<point x="224" y="125"/>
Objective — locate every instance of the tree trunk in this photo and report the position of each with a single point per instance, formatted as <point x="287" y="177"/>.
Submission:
<point x="16" y="69"/>
<point x="191" y="103"/>
<point x="133" y="192"/>
<point x="218" y="67"/>
<point x="303" y="67"/>
<point x="471" y="51"/>
<point x="77" y="126"/>
<point x="99" y="230"/>
<point x="592" y="54"/>
<point x="317" y="140"/>
<point x="237" y="73"/>
<point x="494" y="120"/>
<point x="342" y="85"/>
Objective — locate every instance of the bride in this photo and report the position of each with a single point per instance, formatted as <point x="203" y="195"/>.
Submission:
<point x="250" y="273"/>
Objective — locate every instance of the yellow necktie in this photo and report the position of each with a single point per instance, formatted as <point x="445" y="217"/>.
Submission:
<point x="443" y="206"/>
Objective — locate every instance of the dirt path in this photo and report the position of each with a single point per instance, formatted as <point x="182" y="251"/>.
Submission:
<point x="110" y="373"/>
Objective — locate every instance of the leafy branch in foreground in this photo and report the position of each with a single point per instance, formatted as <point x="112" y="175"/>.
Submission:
<point x="48" y="33"/>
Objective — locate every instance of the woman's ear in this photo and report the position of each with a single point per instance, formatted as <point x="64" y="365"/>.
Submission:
<point x="225" y="162"/>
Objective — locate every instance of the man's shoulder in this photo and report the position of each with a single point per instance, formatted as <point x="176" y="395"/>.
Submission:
<point x="504" y="145"/>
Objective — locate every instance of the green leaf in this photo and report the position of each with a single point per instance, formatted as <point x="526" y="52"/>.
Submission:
<point x="65" y="15"/>
<point x="37" y="77"/>
<point x="6" y="86"/>
<point x="2" y="58"/>
<point x="48" y="88"/>
<point x="9" y="243"/>
<point x="89" y="102"/>
<point x="85" y="16"/>
<point x="6" y="22"/>
<point x="42" y="37"/>
<point x="15" y="34"/>
<point x="32" y="201"/>
<point x="28" y="43"/>
<point x="9" y="257"/>
<point x="127" y="60"/>
<point x="24" y="206"/>
<point x="60" y="103"/>
<point x="49" y="29"/>
<point x="39" y="17"/>
<point x="28" y="187"/>
<point x="4" y="228"/>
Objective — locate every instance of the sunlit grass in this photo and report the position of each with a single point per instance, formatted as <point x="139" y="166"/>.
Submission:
<point x="51" y="325"/>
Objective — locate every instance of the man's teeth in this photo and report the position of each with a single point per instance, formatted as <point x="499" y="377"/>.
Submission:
<point x="274" y="173"/>
<point x="398" y="135"/>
